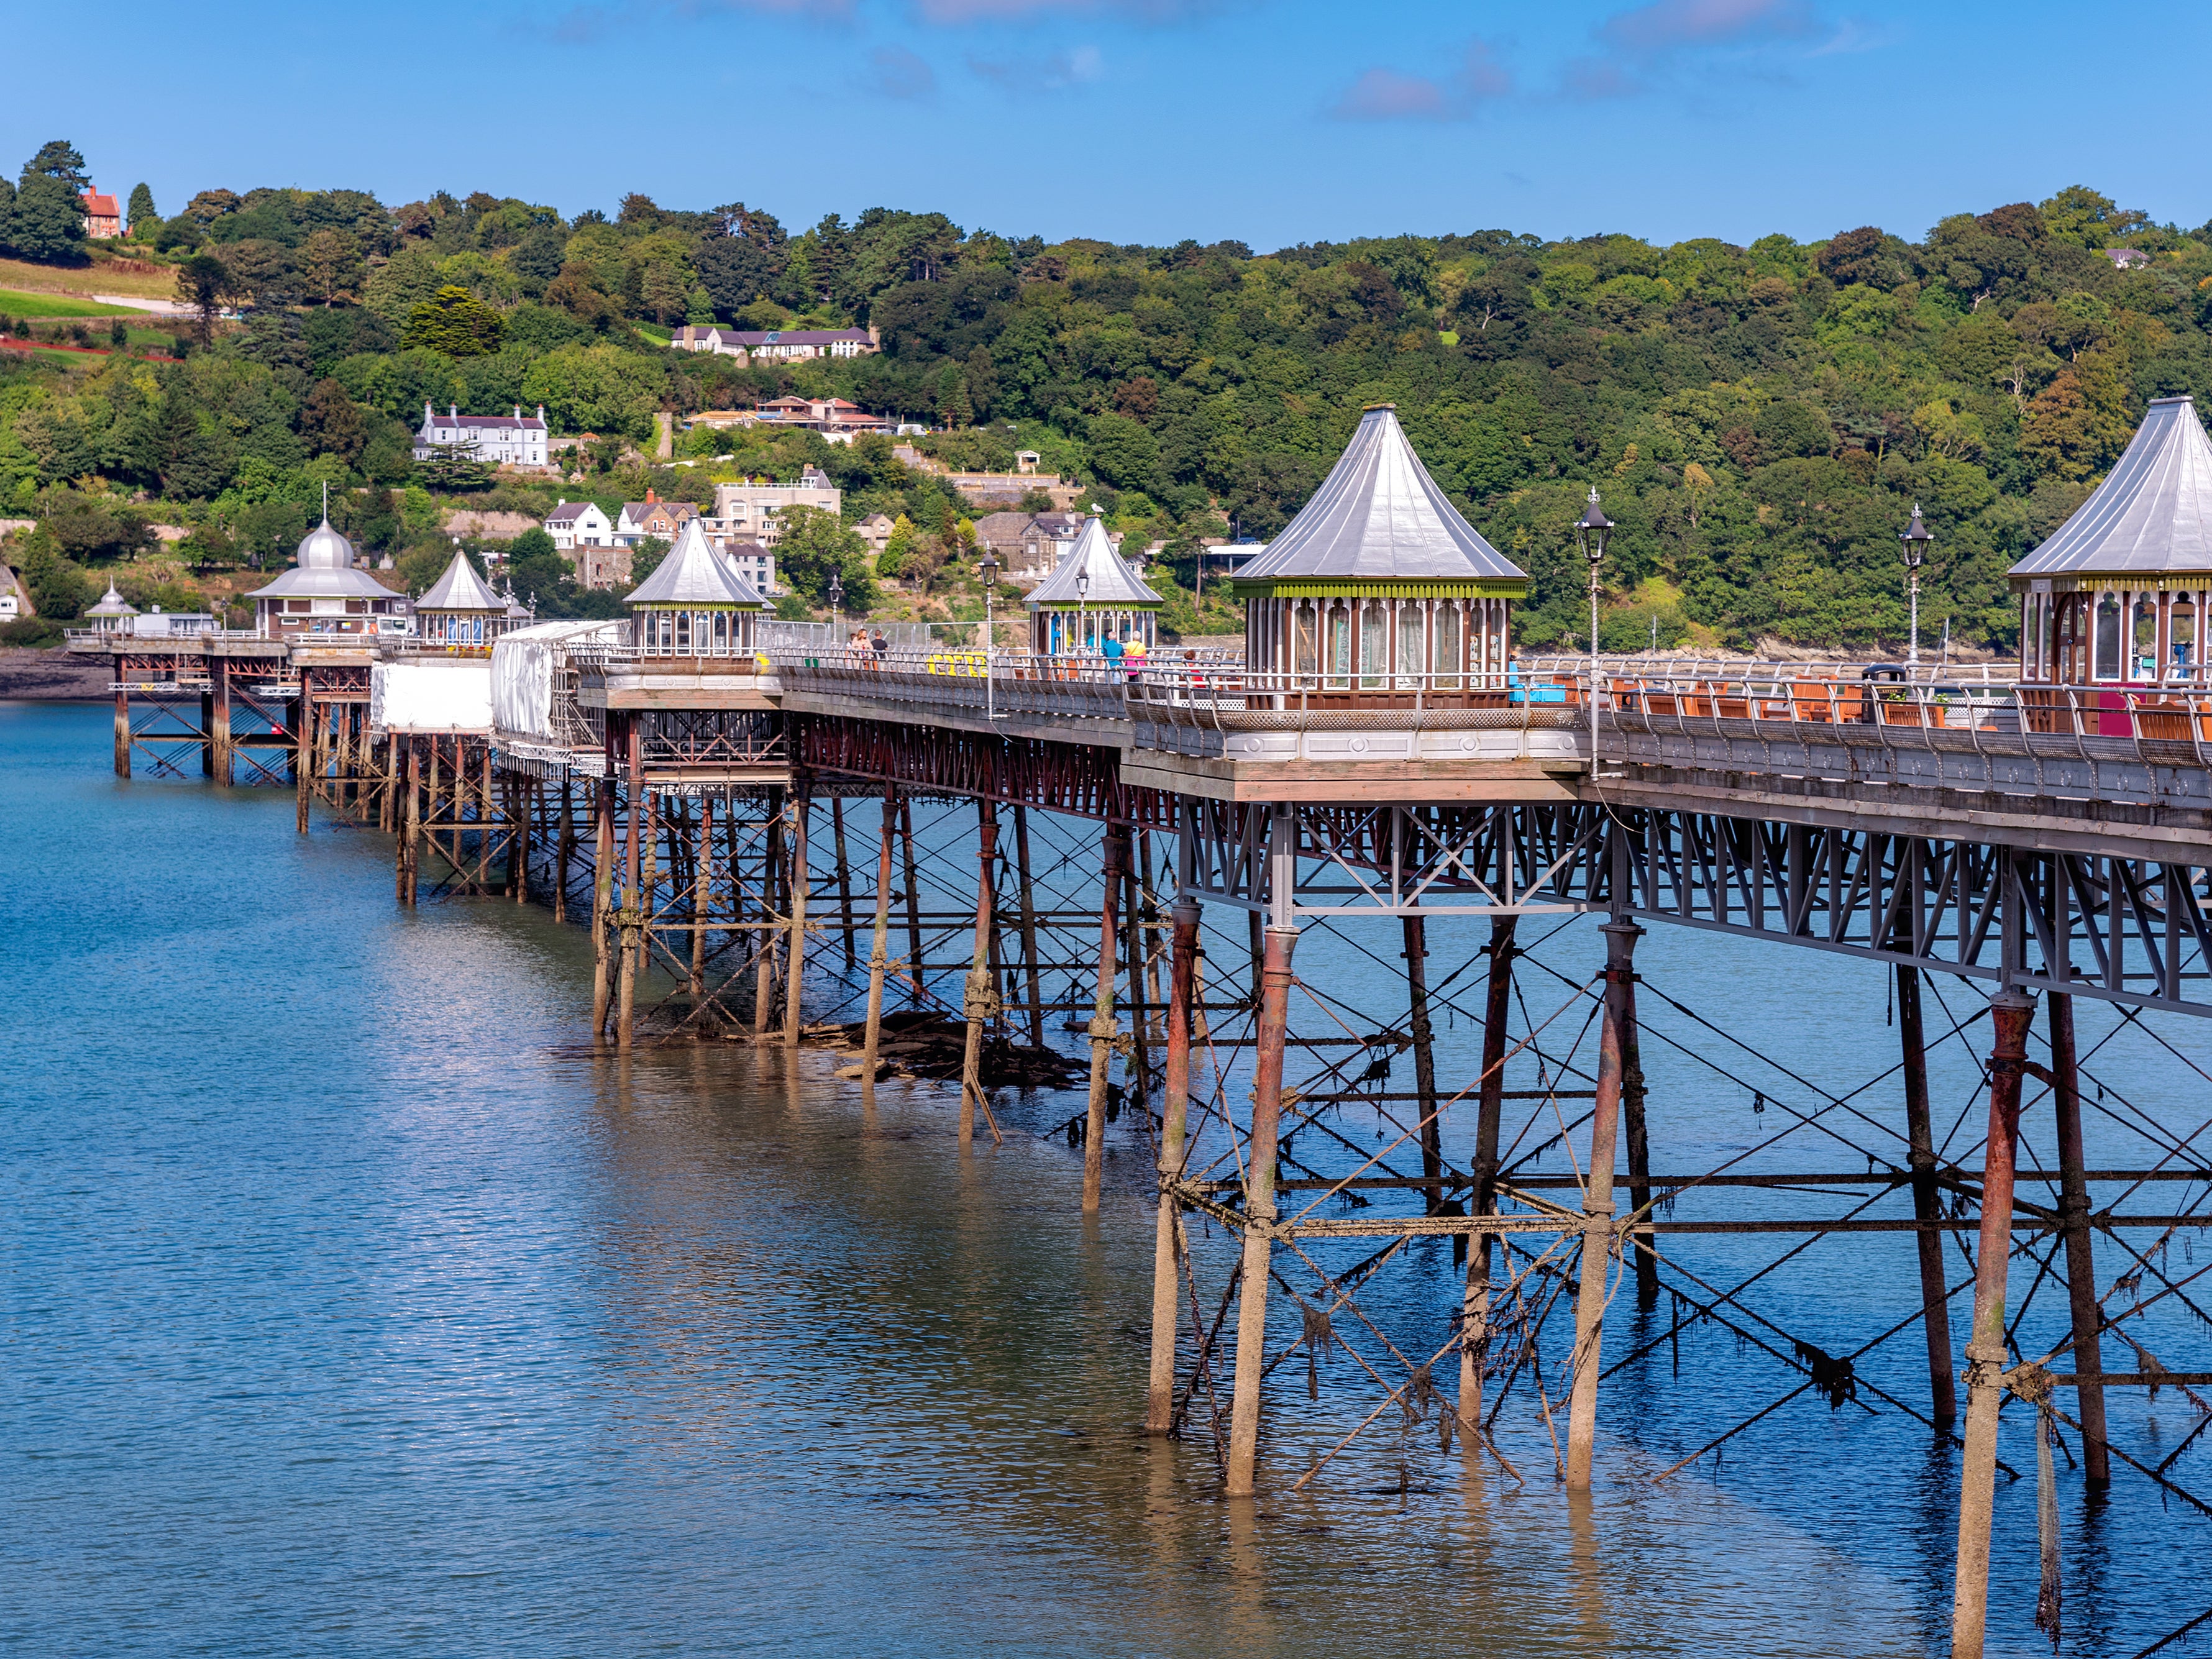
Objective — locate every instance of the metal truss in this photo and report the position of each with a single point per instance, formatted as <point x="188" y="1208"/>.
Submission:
<point x="1393" y="860"/>
<point x="1081" y="780"/>
<point x="2135" y="931"/>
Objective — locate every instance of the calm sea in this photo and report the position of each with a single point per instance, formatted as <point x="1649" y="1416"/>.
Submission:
<point x="352" y="1307"/>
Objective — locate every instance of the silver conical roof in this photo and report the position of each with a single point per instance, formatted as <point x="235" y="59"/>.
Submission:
<point x="2153" y="513"/>
<point x="1379" y="517"/>
<point x="1111" y="580"/>
<point x="460" y="589"/>
<point x="693" y="573"/>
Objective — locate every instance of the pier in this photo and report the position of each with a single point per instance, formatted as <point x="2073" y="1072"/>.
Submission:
<point x="730" y="804"/>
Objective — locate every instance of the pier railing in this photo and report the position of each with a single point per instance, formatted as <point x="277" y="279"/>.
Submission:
<point x="1844" y="708"/>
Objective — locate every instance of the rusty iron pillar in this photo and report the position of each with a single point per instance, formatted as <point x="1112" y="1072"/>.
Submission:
<point x="2010" y="1010"/>
<point x="1259" y="1205"/>
<point x="1927" y="1203"/>
<point x="880" y="952"/>
<point x="2080" y="1262"/>
<point x="1103" y="1032"/>
<point x="1174" y="1112"/>
<point x="1598" y="1242"/>
<point x="980" y="1003"/>
<point x="1474" y="1315"/>
<point x="794" y="965"/>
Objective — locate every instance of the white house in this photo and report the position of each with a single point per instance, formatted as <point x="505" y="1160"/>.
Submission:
<point x="777" y="345"/>
<point x="497" y="440"/>
<point x="748" y="511"/>
<point x="579" y="523"/>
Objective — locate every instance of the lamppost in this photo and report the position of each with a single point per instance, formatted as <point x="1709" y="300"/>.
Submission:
<point x="988" y="570"/>
<point x="1915" y="538"/>
<point x="1590" y="536"/>
<point x="1082" y="589"/>
<point x="837" y="600"/>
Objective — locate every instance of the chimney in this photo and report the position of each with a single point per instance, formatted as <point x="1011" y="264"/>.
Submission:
<point x="452" y="411"/>
<point x="518" y="414"/>
<point x="650" y="498"/>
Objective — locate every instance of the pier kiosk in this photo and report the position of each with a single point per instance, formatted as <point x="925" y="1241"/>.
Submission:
<point x="460" y="610"/>
<point x="1379" y="584"/>
<point x="2116" y="596"/>
<point x="1090" y="598"/>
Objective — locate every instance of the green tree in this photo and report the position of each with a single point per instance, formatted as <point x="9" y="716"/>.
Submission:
<point x="542" y="577"/>
<point x="204" y="284"/>
<point x="60" y="589"/>
<point x="454" y="323"/>
<point x="599" y="389"/>
<point x="330" y="422"/>
<point x="1123" y="453"/>
<point x="264" y="272"/>
<point x="645" y="558"/>
<point x="143" y="219"/>
<point x="58" y="159"/>
<point x="898" y="548"/>
<point x="814" y="545"/>
<point x="2078" y="423"/>
<point x="531" y="544"/>
<point x="46" y="224"/>
<point x="331" y="264"/>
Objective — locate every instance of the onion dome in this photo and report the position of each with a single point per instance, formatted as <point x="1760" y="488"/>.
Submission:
<point x="112" y="603"/>
<point x="325" y="548"/>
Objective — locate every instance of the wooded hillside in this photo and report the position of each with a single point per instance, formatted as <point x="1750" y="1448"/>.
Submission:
<point x="1759" y="419"/>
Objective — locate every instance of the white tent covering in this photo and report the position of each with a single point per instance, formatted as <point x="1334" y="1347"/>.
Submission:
<point x="524" y="666"/>
<point x="441" y="694"/>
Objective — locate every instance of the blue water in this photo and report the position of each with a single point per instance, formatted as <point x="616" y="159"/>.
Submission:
<point x="351" y="1306"/>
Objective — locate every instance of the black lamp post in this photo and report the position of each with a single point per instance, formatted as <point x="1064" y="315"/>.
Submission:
<point x="1082" y="589"/>
<point x="1591" y="531"/>
<point x="837" y="600"/>
<point x="1914" y="538"/>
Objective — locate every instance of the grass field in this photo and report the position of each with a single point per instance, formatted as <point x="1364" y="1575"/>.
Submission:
<point x="13" y="304"/>
<point x="95" y="278"/>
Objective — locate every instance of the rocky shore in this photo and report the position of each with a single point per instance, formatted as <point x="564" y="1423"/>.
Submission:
<point x="28" y="674"/>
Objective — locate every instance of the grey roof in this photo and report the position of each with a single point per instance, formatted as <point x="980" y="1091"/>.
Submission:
<point x="1379" y="516"/>
<point x="694" y="572"/>
<point x="1112" y="582"/>
<point x="324" y="568"/>
<point x="347" y="584"/>
<point x="460" y="589"/>
<point x="2152" y="515"/>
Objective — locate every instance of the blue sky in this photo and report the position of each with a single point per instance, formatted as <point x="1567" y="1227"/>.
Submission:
<point x="1273" y="121"/>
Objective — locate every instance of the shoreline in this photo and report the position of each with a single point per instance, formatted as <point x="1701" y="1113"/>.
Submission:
<point x="30" y="673"/>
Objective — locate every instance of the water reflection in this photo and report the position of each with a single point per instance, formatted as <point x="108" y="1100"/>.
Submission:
<point x="353" y="1307"/>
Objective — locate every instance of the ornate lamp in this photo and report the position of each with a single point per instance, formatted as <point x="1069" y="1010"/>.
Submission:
<point x="1914" y="538"/>
<point x="1591" y="531"/>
